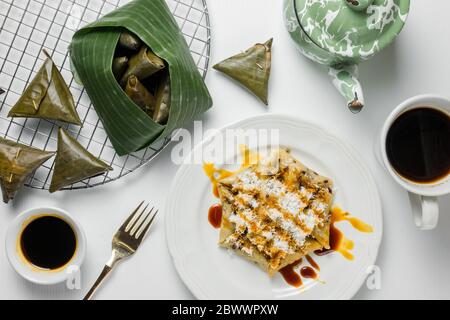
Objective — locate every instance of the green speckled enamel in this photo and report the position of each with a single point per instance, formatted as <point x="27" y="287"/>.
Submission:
<point x="334" y="32"/>
<point x="359" y="5"/>
<point x="342" y="33"/>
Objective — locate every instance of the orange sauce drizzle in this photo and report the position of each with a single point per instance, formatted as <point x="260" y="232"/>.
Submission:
<point x="340" y="215"/>
<point x="215" y="175"/>
<point x="345" y="245"/>
<point x="338" y="241"/>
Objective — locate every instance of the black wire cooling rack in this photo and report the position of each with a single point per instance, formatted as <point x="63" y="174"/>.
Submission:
<point x="29" y="26"/>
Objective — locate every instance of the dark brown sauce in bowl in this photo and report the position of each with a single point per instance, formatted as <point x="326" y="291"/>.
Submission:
<point x="48" y="242"/>
<point x="418" y="145"/>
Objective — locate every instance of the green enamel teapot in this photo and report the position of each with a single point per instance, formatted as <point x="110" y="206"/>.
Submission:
<point x="342" y="33"/>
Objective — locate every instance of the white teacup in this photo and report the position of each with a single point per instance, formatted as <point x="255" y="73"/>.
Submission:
<point x="24" y="267"/>
<point x="423" y="196"/>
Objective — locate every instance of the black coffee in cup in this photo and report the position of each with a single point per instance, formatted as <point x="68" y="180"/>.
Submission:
<point x="418" y="145"/>
<point x="48" y="242"/>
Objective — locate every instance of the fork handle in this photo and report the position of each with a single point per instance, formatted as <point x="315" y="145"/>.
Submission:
<point x="106" y="270"/>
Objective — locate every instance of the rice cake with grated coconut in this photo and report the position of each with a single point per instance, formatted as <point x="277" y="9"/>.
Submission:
<point x="275" y="211"/>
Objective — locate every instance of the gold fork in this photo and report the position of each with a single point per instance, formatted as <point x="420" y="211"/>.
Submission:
<point x="126" y="241"/>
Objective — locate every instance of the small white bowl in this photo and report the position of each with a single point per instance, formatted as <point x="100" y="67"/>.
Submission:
<point x="26" y="269"/>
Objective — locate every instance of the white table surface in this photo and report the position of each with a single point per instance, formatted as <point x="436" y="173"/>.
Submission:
<point x="414" y="264"/>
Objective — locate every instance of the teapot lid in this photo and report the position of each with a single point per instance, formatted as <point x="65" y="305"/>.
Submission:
<point x="352" y="29"/>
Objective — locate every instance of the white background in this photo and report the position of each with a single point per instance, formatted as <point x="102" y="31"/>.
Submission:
<point x="414" y="264"/>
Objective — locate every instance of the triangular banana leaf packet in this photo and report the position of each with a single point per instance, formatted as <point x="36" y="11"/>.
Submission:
<point x="92" y="51"/>
<point x="47" y="97"/>
<point x="74" y="163"/>
<point x="251" y="69"/>
<point x="17" y="163"/>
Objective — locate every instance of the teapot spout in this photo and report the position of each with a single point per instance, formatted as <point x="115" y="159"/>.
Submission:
<point x="345" y="79"/>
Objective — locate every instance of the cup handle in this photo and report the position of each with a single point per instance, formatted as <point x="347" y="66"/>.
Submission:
<point x="425" y="211"/>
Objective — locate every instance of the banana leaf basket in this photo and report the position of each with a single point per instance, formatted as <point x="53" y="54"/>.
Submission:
<point x="20" y="59"/>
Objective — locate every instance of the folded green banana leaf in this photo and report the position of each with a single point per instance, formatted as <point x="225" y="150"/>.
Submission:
<point x="17" y="163"/>
<point x="251" y="69"/>
<point x="74" y="163"/>
<point x="47" y="97"/>
<point x="92" y="52"/>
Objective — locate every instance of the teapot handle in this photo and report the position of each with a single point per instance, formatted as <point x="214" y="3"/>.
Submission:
<point x="345" y="79"/>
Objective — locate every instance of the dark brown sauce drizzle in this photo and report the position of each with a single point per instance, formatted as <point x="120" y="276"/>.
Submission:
<point x="215" y="215"/>
<point x="336" y="237"/>
<point x="291" y="276"/>
<point x="294" y="278"/>
<point x="312" y="262"/>
<point x="308" y="273"/>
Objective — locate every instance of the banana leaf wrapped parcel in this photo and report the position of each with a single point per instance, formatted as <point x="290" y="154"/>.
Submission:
<point x="147" y="34"/>
<point x="17" y="163"/>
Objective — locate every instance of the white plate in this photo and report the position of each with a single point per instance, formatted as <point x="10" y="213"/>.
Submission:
<point x="211" y="272"/>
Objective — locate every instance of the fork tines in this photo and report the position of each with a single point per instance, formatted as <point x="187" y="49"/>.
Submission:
<point x="139" y="221"/>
